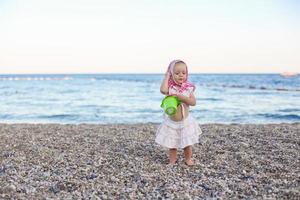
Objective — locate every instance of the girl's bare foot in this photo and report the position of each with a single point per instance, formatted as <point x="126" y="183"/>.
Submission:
<point x="188" y="156"/>
<point x="172" y="156"/>
<point x="189" y="162"/>
<point x="172" y="163"/>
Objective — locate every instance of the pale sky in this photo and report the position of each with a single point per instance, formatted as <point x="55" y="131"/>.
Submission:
<point x="143" y="36"/>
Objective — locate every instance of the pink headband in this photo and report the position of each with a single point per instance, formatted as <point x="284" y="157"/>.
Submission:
<point x="172" y="83"/>
<point x="172" y="66"/>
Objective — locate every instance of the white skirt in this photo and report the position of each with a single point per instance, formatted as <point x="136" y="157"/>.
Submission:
<point x="180" y="134"/>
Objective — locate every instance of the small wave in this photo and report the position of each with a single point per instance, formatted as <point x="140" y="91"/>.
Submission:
<point x="5" y="116"/>
<point x="251" y="87"/>
<point x="69" y="91"/>
<point x="289" y="110"/>
<point x="89" y="106"/>
<point x="281" y="117"/>
<point x="210" y="99"/>
<point x="35" y="78"/>
<point x="60" y="116"/>
<point x="139" y="111"/>
<point x="10" y="93"/>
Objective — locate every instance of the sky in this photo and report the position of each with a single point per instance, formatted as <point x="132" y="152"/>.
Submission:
<point x="143" y="36"/>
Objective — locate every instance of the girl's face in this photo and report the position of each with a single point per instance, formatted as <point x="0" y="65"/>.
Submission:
<point x="179" y="73"/>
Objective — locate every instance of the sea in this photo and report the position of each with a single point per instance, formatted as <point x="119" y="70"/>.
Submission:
<point x="136" y="98"/>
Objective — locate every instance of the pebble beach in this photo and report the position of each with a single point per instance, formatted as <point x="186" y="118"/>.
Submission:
<point x="122" y="161"/>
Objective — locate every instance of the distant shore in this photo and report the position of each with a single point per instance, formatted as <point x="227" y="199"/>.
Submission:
<point x="120" y="161"/>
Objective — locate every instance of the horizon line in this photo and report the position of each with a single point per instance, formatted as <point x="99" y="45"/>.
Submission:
<point x="88" y="73"/>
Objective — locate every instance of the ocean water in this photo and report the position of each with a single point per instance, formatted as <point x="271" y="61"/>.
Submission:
<point x="135" y="98"/>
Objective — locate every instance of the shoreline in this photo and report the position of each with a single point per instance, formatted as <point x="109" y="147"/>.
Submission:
<point x="123" y="161"/>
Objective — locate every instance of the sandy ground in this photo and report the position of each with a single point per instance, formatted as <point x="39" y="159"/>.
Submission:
<point x="52" y="161"/>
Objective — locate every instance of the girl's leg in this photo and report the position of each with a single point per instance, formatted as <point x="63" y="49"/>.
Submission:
<point x="188" y="155"/>
<point x="172" y="156"/>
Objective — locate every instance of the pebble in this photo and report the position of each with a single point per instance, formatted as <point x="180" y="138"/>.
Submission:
<point x="119" y="161"/>
<point x="9" y="189"/>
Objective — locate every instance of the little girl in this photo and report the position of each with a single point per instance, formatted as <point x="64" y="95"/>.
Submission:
<point x="180" y="130"/>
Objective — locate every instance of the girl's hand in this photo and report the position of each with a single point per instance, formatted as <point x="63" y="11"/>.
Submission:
<point x="179" y="96"/>
<point x="188" y="100"/>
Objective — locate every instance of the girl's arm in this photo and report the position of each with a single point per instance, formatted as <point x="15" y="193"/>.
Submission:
<point x="164" y="88"/>
<point x="191" y="101"/>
